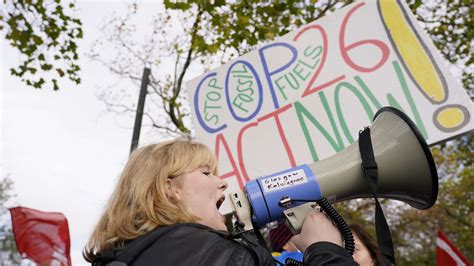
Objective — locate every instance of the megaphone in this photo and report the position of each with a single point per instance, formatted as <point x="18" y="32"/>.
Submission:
<point x="406" y="172"/>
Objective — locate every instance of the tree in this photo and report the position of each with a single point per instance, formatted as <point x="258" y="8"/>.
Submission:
<point x="450" y="25"/>
<point x="195" y="31"/>
<point x="212" y="34"/>
<point x="8" y="252"/>
<point x="46" y="37"/>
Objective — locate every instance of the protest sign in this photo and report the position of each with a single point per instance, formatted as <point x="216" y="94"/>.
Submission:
<point x="306" y="95"/>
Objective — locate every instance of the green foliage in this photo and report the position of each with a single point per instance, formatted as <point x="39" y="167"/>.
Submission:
<point x="227" y="30"/>
<point x="450" y="23"/>
<point x="243" y="24"/>
<point x="46" y="38"/>
<point x="6" y="186"/>
<point x="8" y="253"/>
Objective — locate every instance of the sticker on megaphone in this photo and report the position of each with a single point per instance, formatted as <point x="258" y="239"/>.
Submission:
<point x="261" y="203"/>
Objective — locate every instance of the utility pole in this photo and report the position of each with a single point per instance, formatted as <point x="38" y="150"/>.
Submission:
<point x="140" y="107"/>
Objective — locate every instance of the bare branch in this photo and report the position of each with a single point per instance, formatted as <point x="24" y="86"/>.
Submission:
<point x="195" y="28"/>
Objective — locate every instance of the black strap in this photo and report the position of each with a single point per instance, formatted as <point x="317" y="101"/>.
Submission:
<point x="369" y="167"/>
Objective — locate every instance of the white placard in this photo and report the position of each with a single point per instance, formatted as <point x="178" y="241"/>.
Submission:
<point x="305" y="96"/>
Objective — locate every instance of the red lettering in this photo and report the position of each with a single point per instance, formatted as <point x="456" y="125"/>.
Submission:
<point x="275" y="114"/>
<point x="309" y="90"/>
<point x="235" y="171"/>
<point x="280" y="131"/>
<point x="239" y="149"/>
<point x="345" y="49"/>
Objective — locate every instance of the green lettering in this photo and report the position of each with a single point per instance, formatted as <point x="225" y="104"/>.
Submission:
<point x="411" y="102"/>
<point x="302" y="112"/>
<point x="242" y="76"/>
<point x="280" y="87"/>
<point x="244" y="97"/>
<point x="214" y="98"/>
<point x="362" y="100"/>
<point x="393" y="102"/>
<point x="244" y="70"/>
<point x="308" y="65"/>
<point x="214" y="117"/>
<point x="316" y="51"/>
<point x="368" y="92"/>
<point x="213" y="84"/>
<point x="298" y="72"/>
<point x="234" y="103"/>
<point x="296" y="84"/>
<point x="249" y="87"/>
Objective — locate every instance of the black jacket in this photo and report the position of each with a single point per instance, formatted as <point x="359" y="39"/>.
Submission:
<point x="195" y="244"/>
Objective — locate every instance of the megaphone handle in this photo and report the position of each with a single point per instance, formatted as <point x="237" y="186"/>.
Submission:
<point x="295" y="216"/>
<point x="345" y="230"/>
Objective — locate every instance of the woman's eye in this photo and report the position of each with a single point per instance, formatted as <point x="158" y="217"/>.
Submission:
<point x="207" y="173"/>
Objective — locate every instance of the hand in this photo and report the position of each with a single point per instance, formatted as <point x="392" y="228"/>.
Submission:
<point x="317" y="227"/>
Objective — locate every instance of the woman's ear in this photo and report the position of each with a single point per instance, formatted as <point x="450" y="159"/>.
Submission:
<point x="172" y="191"/>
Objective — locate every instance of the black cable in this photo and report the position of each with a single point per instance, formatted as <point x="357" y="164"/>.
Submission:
<point x="340" y="224"/>
<point x="345" y="230"/>
<point x="293" y="262"/>
<point x="278" y="262"/>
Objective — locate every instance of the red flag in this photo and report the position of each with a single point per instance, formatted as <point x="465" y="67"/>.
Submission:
<point x="447" y="253"/>
<point x="42" y="236"/>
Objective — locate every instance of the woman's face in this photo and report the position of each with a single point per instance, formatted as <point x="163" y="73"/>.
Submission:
<point x="202" y="194"/>
<point x="361" y="254"/>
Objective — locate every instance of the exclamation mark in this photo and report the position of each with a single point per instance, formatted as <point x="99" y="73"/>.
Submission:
<point x="420" y="66"/>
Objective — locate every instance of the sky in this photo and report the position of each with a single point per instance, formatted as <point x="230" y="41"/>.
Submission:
<point x="64" y="150"/>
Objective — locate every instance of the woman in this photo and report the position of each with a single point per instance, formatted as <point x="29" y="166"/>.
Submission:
<point x="164" y="210"/>
<point x="366" y="250"/>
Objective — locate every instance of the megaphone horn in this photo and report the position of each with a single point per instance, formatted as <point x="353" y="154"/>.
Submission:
<point x="406" y="168"/>
<point x="406" y="172"/>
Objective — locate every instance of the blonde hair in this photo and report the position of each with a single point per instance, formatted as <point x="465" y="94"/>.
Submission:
<point x="139" y="203"/>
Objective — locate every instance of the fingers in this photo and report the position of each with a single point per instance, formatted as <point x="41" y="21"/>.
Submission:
<point x="317" y="227"/>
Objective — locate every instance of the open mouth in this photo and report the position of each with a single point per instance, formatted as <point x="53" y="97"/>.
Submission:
<point x="219" y="202"/>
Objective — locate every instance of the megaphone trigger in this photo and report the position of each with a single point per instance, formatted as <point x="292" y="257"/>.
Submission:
<point x="294" y="217"/>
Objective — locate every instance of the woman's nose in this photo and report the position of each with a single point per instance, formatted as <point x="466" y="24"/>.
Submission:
<point x="223" y="184"/>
